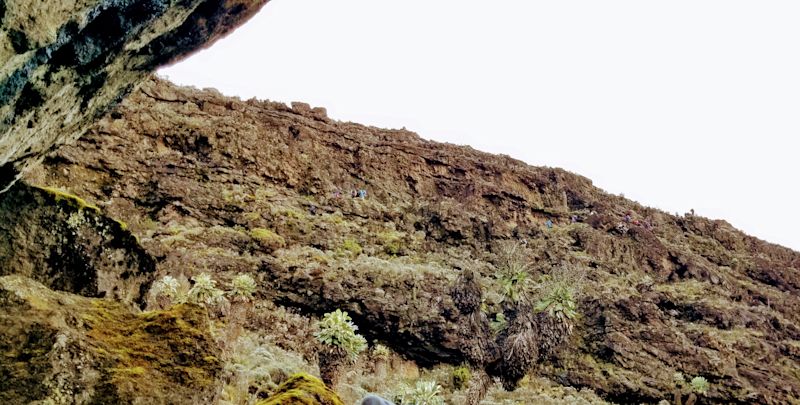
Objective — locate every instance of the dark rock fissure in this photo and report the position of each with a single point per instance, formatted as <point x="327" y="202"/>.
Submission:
<point x="19" y="41"/>
<point x="29" y="98"/>
<point x="8" y="174"/>
<point x="194" y="32"/>
<point x="105" y="36"/>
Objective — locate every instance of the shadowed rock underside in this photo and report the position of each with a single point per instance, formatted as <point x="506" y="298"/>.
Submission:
<point x="64" y="63"/>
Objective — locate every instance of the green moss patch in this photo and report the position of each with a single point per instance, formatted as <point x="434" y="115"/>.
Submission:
<point x="351" y="247"/>
<point x="159" y="357"/>
<point x="268" y="238"/>
<point x="153" y="348"/>
<point x="303" y="389"/>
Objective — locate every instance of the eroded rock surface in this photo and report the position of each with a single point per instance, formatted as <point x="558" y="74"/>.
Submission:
<point x="69" y="245"/>
<point x="217" y="184"/>
<point x="61" y="348"/>
<point x="63" y="63"/>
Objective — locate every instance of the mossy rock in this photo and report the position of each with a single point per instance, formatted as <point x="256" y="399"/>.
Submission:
<point x="62" y="348"/>
<point x="303" y="389"/>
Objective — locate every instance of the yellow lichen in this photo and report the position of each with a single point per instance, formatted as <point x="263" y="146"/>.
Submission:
<point x="70" y="199"/>
<point x="133" y="371"/>
<point x="252" y="216"/>
<point x="122" y="225"/>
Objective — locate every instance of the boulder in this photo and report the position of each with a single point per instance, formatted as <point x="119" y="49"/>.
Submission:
<point x="303" y="389"/>
<point x="375" y="400"/>
<point x="60" y="348"/>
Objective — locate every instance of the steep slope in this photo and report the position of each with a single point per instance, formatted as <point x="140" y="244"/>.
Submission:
<point x="216" y="184"/>
<point x="63" y="63"/>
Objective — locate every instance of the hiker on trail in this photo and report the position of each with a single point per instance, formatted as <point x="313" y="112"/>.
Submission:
<point x="362" y="193"/>
<point x="354" y="193"/>
<point x="628" y="217"/>
<point x="549" y="224"/>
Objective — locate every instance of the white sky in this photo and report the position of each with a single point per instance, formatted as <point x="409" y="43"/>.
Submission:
<point x="678" y="104"/>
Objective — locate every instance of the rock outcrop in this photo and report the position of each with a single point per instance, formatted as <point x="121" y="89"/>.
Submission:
<point x="60" y="348"/>
<point x="69" y="245"/>
<point x="63" y="63"/>
<point x="216" y="184"/>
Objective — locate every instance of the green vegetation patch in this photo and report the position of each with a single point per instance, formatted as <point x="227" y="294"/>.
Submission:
<point x="268" y="238"/>
<point x="461" y="377"/>
<point x="351" y="247"/>
<point x="392" y="242"/>
<point x="303" y="389"/>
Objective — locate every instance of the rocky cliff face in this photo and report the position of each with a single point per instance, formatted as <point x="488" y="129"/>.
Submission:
<point x="63" y="63"/>
<point x="216" y="184"/>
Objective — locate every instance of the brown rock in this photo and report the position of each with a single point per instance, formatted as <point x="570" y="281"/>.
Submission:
<point x="68" y="244"/>
<point x="65" y="62"/>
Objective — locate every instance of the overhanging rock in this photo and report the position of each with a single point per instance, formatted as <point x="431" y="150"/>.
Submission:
<point x="63" y="63"/>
